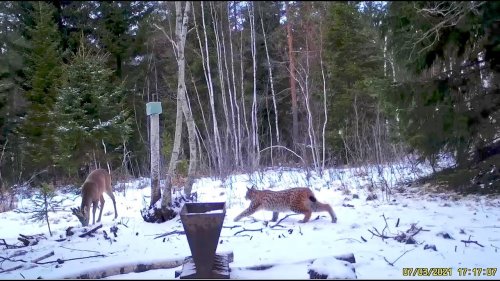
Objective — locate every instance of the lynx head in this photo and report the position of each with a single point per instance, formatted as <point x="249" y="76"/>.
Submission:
<point x="251" y="192"/>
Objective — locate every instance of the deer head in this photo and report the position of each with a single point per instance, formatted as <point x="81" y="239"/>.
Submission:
<point x="79" y="213"/>
<point x="97" y="183"/>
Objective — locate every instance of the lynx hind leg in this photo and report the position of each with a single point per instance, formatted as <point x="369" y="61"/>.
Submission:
<point x="307" y="216"/>
<point x="323" y="207"/>
<point x="249" y="211"/>
<point x="303" y="210"/>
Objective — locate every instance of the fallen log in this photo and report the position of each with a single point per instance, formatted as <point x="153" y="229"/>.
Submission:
<point x="90" y="231"/>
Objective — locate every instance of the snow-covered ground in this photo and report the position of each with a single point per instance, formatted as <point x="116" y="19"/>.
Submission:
<point x="446" y="220"/>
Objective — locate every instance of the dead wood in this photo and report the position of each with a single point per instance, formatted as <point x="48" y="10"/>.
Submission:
<point x="18" y="253"/>
<point x="114" y="230"/>
<point x="43" y="257"/>
<point x="127" y="268"/>
<point x="90" y="231"/>
<point x="11" y="260"/>
<point x="244" y="229"/>
<point x="231" y="227"/>
<point x="407" y="237"/>
<point x="470" y="241"/>
<point x="392" y="263"/>
<point x="60" y="261"/>
<point x="11" y="269"/>
<point x="79" y="249"/>
<point x="69" y="231"/>
<point x="282" y="219"/>
<point x="180" y="232"/>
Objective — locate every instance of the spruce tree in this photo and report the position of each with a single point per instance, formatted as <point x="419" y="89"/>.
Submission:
<point x="43" y="68"/>
<point x="92" y="120"/>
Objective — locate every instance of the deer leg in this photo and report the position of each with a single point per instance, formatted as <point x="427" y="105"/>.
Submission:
<point x="112" y="196"/>
<point x="94" y="207"/>
<point x="102" y="207"/>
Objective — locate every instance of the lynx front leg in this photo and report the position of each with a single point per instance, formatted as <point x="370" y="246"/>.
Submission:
<point x="249" y="211"/>
<point x="275" y="216"/>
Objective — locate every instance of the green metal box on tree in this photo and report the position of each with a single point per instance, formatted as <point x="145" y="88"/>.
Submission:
<point x="153" y="108"/>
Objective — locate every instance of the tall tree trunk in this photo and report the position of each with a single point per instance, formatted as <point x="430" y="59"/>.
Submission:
<point x="255" y="131"/>
<point x="228" y="134"/>
<point x="182" y="18"/>
<point x="270" y="69"/>
<point x="181" y="29"/>
<point x="208" y="75"/>
<point x="293" y="88"/>
<point x="239" y="160"/>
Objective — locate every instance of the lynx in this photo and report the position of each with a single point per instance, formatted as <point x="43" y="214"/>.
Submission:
<point x="299" y="200"/>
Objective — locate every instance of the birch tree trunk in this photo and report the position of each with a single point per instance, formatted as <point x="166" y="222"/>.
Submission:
<point x="208" y="76"/>
<point x="182" y="18"/>
<point x="255" y="131"/>
<point x="238" y="114"/>
<point x="218" y="44"/>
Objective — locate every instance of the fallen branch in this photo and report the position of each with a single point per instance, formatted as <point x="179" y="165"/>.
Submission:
<point x="43" y="257"/>
<point x="11" y="260"/>
<point x="278" y="223"/>
<point x="231" y="227"/>
<point x="90" y="231"/>
<point x="244" y="229"/>
<point x="470" y="241"/>
<point x="11" y="269"/>
<point x="392" y="263"/>
<point x="378" y="234"/>
<point x="9" y="246"/>
<point x="386" y="224"/>
<point x="79" y="250"/>
<point x="60" y="261"/>
<point x="180" y="232"/>
<point x="349" y="239"/>
<point x="18" y="253"/>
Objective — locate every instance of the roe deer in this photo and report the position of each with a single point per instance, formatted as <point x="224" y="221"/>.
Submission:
<point x="97" y="182"/>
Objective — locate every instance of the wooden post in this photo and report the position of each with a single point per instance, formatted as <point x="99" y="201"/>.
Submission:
<point x="153" y="110"/>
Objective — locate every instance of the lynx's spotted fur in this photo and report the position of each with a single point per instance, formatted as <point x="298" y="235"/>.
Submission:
<point x="299" y="200"/>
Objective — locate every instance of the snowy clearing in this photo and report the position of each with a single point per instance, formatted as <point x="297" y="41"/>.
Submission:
<point x="439" y="223"/>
